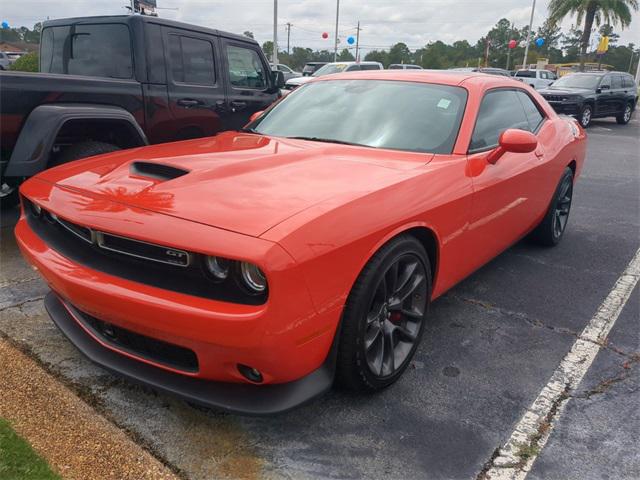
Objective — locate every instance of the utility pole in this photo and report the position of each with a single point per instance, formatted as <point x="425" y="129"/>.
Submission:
<point x="335" y="45"/>
<point x="508" y="47"/>
<point x="526" y="48"/>
<point x="275" y="33"/>
<point x="288" y="37"/>
<point x="358" y="42"/>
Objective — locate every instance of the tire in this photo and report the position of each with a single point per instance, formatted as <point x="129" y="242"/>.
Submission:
<point x="586" y="115"/>
<point x="9" y="196"/>
<point x="551" y="230"/>
<point x="83" y="150"/>
<point x="375" y="318"/>
<point x="624" y="117"/>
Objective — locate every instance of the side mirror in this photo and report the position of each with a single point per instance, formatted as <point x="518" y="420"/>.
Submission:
<point x="515" y="141"/>
<point x="277" y="79"/>
<point x="254" y="116"/>
<point x="605" y="87"/>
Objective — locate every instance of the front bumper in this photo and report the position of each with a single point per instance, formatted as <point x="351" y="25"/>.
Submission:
<point x="234" y="397"/>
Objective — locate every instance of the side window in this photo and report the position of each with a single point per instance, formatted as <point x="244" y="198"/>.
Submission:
<point x="606" y="82"/>
<point x="616" y="81"/>
<point x="543" y="76"/>
<point x="628" y="82"/>
<point x="370" y="66"/>
<point x="191" y="60"/>
<point x="531" y="110"/>
<point x="245" y="68"/>
<point x="353" y="68"/>
<point x="499" y="111"/>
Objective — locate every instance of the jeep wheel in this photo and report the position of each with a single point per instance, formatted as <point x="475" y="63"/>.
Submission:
<point x="83" y="150"/>
<point x="585" y="116"/>
<point x="624" y="117"/>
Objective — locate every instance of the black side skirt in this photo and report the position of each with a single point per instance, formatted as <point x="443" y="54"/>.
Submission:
<point x="239" y="398"/>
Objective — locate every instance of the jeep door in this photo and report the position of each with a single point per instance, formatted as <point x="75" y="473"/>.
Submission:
<point x="194" y="82"/>
<point x="248" y="81"/>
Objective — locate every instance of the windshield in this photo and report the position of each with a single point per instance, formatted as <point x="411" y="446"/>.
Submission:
<point x="329" y="69"/>
<point x="577" y="81"/>
<point x="411" y="116"/>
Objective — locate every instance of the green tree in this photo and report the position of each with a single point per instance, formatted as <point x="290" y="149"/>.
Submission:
<point x="612" y="12"/>
<point x="26" y="63"/>
<point x="381" y="56"/>
<point x="267" y="48"/>
<point x="399" y="53"/>
<point x="346" y="56"/>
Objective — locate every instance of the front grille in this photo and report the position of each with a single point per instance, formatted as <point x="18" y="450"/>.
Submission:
<point x="555" y="98"/>
<point x="151" y="349"/>
<point x="150" y="264"/>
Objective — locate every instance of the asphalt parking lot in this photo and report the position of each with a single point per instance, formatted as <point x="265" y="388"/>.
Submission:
<point x="492" y="344"/>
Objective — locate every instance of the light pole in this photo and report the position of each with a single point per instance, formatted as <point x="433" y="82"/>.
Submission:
<point x="275" y="33"/>
<point x="335" y="45"/>
<point x="526" y="48"/>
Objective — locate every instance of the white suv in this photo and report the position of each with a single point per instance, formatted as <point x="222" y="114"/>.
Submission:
<point x="331" y="68"/>
<point x="536" y="78"/>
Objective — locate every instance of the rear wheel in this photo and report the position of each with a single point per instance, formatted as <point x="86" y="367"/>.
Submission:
<point x="384" y="316"/>
<point x="624" y="117"/>
<point x="83" y="150"/>
<point x="9" y="197"/>
<point x="585" y="116"/>
<point x="552" y="227"/>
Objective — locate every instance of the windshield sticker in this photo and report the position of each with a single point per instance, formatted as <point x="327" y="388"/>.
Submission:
<point x="444" y="103"/>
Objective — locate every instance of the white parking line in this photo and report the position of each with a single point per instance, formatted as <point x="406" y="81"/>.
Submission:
<point x="515" y="459"/>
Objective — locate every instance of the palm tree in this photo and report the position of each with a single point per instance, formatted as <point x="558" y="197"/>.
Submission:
<point x="611" y="12"/>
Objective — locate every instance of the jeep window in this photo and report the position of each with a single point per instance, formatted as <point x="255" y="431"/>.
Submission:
<point x="245" y="68"/>
<point x="526" y="73"/>
<point x="100" y="50"/>
<point x="577" y="81"/>
<point x="616" y="81"/>
<point x="191" y="60"/>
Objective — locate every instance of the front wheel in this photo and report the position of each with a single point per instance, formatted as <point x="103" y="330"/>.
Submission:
<point x="624" y="117"/>
<point x="384" y="316"/>
<point x="586" y="114"/>
<point x="554" y="223"/>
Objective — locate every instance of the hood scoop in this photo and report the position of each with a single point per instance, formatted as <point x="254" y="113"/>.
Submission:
<point x="157" y="171"/>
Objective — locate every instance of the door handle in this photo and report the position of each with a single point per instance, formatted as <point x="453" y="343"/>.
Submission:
<point x="238" y="106"/>
<point x="539" y="154"/>
<point x="189" y="102"/>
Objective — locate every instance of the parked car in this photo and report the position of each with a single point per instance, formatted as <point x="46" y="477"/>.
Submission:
<point x="287" y="72"/>
<point x="330" y="69"/>
<point x="488" y="70"/>
<point x="594" y="95"/>
<point x="404" y="66"/>
<point x="536" y="78"/>
<point x="311" y="67"/>
<point x="117" y="88"/>
<point x="8" y="58"/>
<point x="248" y="270"/>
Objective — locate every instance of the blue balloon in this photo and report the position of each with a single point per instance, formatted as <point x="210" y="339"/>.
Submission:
<point x="540" y="42"/>
<point x="351" y="40"/>
<point x="5" y="25"/>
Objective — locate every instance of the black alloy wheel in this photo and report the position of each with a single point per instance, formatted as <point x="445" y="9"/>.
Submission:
<point x="384" y="316"/>
<point x="552" y="227"/>
<point x="562" y="207"/>
<point x="395" y="315"/>
<point x="625" y="116"/>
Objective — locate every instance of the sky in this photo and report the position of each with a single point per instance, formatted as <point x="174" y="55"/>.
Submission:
<point x="383" y="22"/>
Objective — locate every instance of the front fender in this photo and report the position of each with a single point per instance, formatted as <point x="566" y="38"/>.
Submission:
<point x="31" y="152"/>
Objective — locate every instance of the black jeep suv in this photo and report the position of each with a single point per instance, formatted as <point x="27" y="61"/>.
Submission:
<point x="594" y="95"/>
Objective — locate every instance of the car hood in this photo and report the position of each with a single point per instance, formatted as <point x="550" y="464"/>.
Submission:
<point x="564" y="91"/>
<point x="244" y="183"/>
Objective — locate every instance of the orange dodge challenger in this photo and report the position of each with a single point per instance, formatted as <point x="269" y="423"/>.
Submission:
<point x="249" y="270"/>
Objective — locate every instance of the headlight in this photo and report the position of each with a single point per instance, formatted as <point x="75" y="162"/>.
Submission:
<point x="218" y="267"/>
<point x="253" y="277"/>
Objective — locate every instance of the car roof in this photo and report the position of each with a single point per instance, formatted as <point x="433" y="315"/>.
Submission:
<point x="444" y="77"/>
<point x="365" y="62"/>
<point x="145" y="19"/>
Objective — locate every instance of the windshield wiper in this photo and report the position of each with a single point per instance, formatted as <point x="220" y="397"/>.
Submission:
<point x="329" y="140"/>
